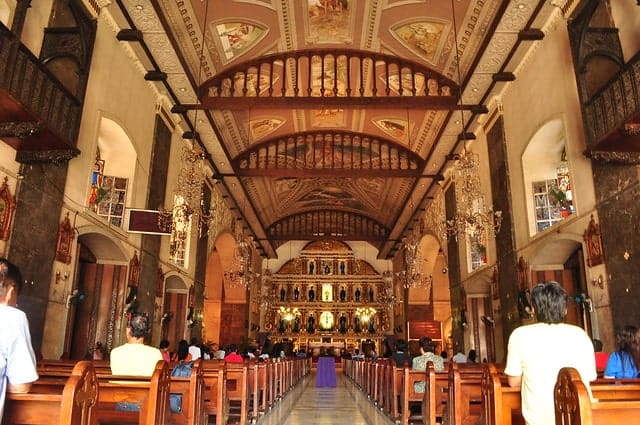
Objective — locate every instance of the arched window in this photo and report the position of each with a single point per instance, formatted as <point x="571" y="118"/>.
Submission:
<point x="547" y="178"/>
<point x="111" y="173"/>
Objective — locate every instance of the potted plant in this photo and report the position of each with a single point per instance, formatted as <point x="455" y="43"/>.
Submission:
<point x="559" y="199"/>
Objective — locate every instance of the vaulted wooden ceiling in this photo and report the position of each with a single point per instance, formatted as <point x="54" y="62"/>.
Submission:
<point x="331" y="118"/>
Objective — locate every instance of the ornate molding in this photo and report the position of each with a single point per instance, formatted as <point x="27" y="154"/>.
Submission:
<point x="20" y="129"/>
<point x="627" y="158"/>
<point x="56" y="157"/>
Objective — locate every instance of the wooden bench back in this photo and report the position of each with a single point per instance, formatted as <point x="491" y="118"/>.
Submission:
<point x="501" y="404"/>
<point x="613" y="404"/>
<point x="435" y="395"/>
<point x="191" y="390"/>
<point x="465" y="393"/>
<point x="238" y="388"/>
<point x="215" y="398"/>
<point x="408" y="395"/>
<point x="151" y="393"/>
<point x="69" y="402"/>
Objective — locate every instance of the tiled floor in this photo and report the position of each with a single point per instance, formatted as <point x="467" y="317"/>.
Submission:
<point x="308" y="405"/>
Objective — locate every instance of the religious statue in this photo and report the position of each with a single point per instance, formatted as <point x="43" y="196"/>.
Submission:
<point x="311" y="325"/>
<point x="312" y="294"/>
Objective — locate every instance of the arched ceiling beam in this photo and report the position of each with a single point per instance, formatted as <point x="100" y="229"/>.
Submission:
<point x="333" y="224"/>
<point x="330" y="154"/>
<point x="325" y="78"/>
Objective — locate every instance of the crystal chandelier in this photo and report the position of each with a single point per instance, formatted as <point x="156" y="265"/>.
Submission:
<point x="240" y="272"/>
<point x="387" y="297"/>
<point x="472" y="217"/>
<point x="412" y="276"/>
<point x="188" y="205"/>
<point x="267" y="295"/>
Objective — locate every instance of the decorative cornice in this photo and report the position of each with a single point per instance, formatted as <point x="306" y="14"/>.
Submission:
<point x="56" y="157"/>
<point x="627" y="158"/>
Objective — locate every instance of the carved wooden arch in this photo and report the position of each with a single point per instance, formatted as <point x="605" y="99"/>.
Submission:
<point x="328" y="153"/>
<point x="333" y="224"/>
<point x="366" y="79"/>
<point x="7" y="206"/>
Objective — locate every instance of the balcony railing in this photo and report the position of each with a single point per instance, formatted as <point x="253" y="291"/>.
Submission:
<point x="29" y="92"/>
<point x="615" y="104"/>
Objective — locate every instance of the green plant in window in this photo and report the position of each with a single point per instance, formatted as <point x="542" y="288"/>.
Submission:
<point x="101" y="194"/>
<point x="558" y="198"/>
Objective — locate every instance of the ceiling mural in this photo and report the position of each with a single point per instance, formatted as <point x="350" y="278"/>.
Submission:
<point x="236" y="38"/>
<point x="425" y="38"/>
<point x="261" y="128"/>
<point x="396" y="128"/>
<point x="328" y="118"/>
<point x="395" y="76"/>
<point x="329" y="21"/>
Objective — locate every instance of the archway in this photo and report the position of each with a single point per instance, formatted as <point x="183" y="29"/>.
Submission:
<point x="225" y="305"/>
<point x="547" y="177"/>
<point x="562" y="260"/>
<point x="429" y="308"/>
<point x="97" y="305"/>
<point x="174" y="315"/>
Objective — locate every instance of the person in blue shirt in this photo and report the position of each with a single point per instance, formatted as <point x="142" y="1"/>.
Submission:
<point x="625" y="362"/>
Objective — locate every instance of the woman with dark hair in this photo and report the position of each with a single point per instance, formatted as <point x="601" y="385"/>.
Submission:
<point x="625" y="362"/>
<point x="182" y="353"/>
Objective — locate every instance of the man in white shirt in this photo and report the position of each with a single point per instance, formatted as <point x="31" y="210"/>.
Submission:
<point x="459" y="358"/>
<point x="17" y="359"/>
<point x="537" y="352"/>
<point x="135" y="358"/>
<point x="194" y="349"/>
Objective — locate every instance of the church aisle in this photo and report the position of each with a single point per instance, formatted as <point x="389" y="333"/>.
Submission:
<point x="308" y="405"/>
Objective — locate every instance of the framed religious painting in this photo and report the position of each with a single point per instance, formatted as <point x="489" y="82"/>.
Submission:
<point x="7" y="206"/>
<point x="593" y="243"/>
<point x="66" y="235"/>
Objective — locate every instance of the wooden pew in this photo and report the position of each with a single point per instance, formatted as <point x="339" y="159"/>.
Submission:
<point x="237" y="390"/>
<point x="191" y="390"/>
<point x="435" y="396"/>
<point x="501" y="404"/>
<point x="152" y="394"/>
<point x="394" y="388"/>
<point x="257" y="388"/>
<point x="381" y="394"/>
<point x="71" y="403"/>
<point x="216" y="402"/>
<point x="465" y="393"/>
<point x="408" y="394"/>
<point x="619" y="404"/>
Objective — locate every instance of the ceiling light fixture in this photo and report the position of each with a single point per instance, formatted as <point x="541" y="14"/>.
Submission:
<point x="472" y="216"/>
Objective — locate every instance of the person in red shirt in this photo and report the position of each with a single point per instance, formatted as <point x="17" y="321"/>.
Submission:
<point x="601" y="357"/>
<point x="233" y="356"/>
